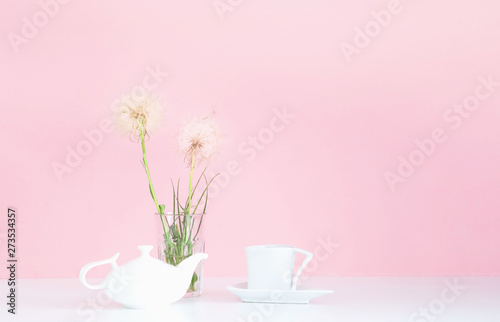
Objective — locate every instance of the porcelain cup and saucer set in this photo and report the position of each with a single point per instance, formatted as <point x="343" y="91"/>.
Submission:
<point x="271" y="278"/>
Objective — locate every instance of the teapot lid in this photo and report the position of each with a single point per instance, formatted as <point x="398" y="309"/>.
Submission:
<point x="145" y="249"/>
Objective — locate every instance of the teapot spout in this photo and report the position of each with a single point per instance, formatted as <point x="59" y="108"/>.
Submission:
<point x="189" y="264"/>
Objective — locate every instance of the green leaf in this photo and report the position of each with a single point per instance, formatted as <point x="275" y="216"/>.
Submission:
<point x="173" y="193"/>
<point x="174" y="231"/>
<point x="178" y="206"/>
<point x="162" y="209"/>
<point x="206" y="198"/>
<point x="205" y="191"/>
<point x="177" y="196"/>
<point x="166" y="238"/>
<point x="196" y="185"/>
<point x="194" y="279"/>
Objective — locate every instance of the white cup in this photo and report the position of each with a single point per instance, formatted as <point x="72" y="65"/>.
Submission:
<point x="270" y="267"/>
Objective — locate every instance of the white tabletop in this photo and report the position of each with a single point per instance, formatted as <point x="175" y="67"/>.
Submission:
<point x="359" y="299"/>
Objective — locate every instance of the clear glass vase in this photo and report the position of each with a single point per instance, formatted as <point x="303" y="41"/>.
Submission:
<point x="180" y="236"/>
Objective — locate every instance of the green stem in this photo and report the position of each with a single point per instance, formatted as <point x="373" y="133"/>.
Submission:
<point x="190" y="184"/>
<point x="145" y="161"/>
<point x="151" y="189"/>
<point x="199" y="226"/>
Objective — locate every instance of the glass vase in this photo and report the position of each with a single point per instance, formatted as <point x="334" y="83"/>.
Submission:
<point x="180" y="236"/>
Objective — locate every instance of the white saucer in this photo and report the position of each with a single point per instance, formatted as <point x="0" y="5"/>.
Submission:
<point x="298" y="296"/>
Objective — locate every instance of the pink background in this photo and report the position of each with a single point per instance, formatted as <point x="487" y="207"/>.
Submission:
<point x="321" y="177"/>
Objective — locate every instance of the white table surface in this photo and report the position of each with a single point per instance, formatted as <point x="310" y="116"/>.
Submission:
<point x="360" y="299"/>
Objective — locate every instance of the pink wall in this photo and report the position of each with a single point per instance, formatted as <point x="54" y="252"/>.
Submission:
<point x="359" y="103"/>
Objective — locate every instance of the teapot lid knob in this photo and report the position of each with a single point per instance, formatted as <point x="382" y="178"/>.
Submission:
<point x="145" y="249"/>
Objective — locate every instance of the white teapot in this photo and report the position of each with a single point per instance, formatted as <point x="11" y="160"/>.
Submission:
<point x="145" y="281"/>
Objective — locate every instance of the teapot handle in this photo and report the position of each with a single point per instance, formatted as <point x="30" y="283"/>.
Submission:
<point x="88" y="267"/>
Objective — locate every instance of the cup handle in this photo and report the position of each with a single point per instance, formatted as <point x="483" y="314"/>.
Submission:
<point x="88" y="267"/>
<point x="306" y="261"/>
